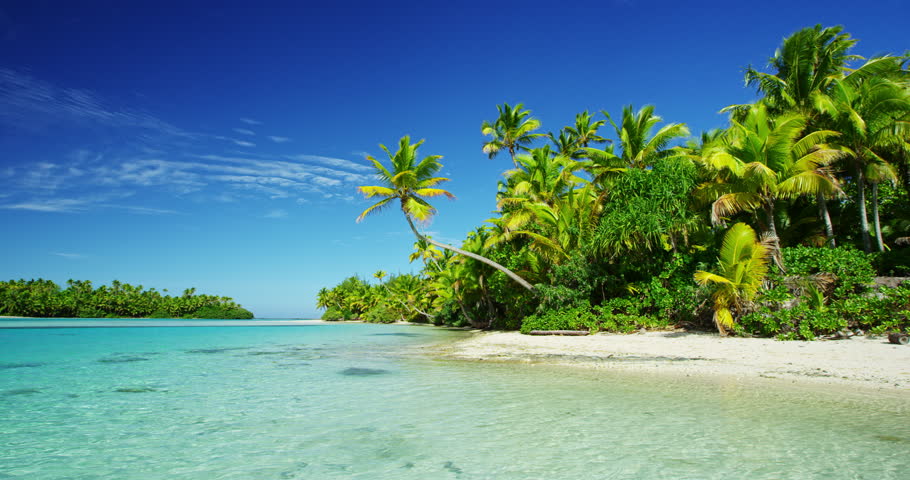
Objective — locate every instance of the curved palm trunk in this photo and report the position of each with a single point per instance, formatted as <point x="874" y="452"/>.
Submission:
<point x="877" y="223"/>
<point x="861" y="203"/>
<point x="826" y="216"/>
<point x="772" y="230"/>
<point x="479" y="258"/>
<point x="464" y="312"/>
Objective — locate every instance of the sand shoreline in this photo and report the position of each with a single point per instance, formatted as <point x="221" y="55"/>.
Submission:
<point x="858" y="362"/>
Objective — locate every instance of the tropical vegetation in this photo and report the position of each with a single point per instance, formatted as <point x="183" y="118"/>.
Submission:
<point x="773" y="226"/>
<point x="44" y="298"/>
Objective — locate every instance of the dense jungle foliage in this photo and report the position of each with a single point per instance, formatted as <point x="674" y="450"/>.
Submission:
<point x="774" y="226"/>
<point x="44" y="298"/>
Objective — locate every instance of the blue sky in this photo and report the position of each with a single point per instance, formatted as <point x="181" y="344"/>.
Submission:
<point x="218" y="146"/>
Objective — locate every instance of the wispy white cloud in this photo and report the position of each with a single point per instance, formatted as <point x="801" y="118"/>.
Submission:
<point x="67" y="205"/>
<point x="71" y="256"/>
<point x="290" y="169"/>
<point x="33" y="104"/>
<point x="151" y="155"/>
<point x="277" y="214"/>
<point x="143" y="210"/>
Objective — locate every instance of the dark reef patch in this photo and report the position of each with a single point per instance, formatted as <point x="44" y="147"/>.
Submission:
<point x="215" y="350"/>
<point x="122" y="359"/>
<point x="363" y="372"/>
<point x="20" y="391"/>
<point x="136" y="390"/>
<point x="9" y="366"/>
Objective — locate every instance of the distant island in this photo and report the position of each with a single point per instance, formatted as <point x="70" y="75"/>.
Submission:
<point x="44" y="298"/>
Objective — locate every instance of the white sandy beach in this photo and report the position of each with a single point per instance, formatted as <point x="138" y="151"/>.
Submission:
<point x="864" y="362"/>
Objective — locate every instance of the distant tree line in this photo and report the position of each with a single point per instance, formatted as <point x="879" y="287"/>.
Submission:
<point x="44" y="298"/>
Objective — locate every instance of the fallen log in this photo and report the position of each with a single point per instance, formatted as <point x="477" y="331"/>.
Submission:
<point x="575" y="333"/>
<point x="899" y="338"/>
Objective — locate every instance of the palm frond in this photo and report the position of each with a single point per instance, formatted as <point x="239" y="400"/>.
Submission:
<point x="382" y="204"/>
<point x="433" y="192"/>
<point x="373" y="191"/>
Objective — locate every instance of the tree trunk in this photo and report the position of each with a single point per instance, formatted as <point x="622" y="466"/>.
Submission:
<point x="826" y="216"/>
<point x="878" y="226"/>
<point x="512" y="154"/>
<point x="465" y="313"/>
<point x="772" y="229"/>
<point x="479" y="258"/>
<point x="861" y="203"/>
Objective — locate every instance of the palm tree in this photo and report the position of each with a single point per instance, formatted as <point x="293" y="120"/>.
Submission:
<point x="869" y="108"/>
<point x="878" y="172"/>
<point x="425" y="252"/>
<point x="541" y="176"/>
<point x="804" y="67"/>
<point x="639" y="147"/>
<point x="764" y="160"/>
<point x="512" y="131"/>
<point x="742" y="266"/>
<point x="379" y="275"/>
<point x="409" y="181"/>
<point x="585" y="131"/>
<point x="565" y="144"/>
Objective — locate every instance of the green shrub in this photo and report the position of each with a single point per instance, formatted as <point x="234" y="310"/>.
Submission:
<point x="595" y="319"/>
<point x="799" y="322"/>
<point x="333" y="314"/>
<point x="852" y="267"/>
<point x="380" y="314"/>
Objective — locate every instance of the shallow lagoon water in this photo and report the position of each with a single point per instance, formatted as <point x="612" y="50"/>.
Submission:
<point x="344" y="401"/>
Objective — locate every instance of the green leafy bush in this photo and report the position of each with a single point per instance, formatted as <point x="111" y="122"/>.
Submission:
<point x="333" y="314"/>
<point x="595" y="319"/>
<point x="884" y="310"/>
<point x="852" y="267"/>
<point x="379" y="314"/>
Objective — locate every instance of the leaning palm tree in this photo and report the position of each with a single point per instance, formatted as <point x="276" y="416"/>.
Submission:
<point x="512" y="131"/>
<point x="409" y="181"/>
<point x="742" y="266"/>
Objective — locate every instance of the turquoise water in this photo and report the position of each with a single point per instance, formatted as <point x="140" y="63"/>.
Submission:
<point x="343" y="401"/>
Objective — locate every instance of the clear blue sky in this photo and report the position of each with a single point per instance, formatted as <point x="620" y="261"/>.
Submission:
<point x="219" y="146"/>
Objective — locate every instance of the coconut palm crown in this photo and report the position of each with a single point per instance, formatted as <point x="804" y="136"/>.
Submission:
<point x="408" y="181"/>
<point x="511" y="131"/>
